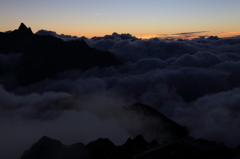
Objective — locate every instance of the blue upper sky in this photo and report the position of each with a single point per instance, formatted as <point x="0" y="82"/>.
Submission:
<point x="138" y="17"/>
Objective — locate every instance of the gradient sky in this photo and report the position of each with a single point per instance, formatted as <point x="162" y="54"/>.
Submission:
<point x="144" y="18"/>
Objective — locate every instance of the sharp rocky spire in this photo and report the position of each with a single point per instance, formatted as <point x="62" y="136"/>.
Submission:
<point x="24" y="30"/>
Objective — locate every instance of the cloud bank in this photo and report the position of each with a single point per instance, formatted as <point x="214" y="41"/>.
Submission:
<point x="194" y="82"/>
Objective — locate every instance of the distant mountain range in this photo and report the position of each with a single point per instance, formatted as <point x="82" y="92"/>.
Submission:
<point x="45" y="56"/>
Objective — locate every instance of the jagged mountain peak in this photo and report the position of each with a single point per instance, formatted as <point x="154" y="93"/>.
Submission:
<point x="24" y="30"/>
<point x="22" y="27"/>
<point x="137" y="148"/>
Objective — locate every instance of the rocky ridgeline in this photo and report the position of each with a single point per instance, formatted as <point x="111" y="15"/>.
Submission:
<point x="137" y="148"/>
<point x="176" y="145"/>
<point x="45" y="56"/>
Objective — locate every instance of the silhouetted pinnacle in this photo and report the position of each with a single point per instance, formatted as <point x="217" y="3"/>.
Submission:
<point x="22" y="29"/>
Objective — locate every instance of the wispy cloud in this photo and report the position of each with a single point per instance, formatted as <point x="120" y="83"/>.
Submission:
<point x="183" y="35"/>
<point x="190" y="33"/>
<point x="231" y="32"/>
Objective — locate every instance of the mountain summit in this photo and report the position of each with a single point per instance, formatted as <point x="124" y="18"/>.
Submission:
<point x="23" y="30"/>
<point x="46" y="56"/>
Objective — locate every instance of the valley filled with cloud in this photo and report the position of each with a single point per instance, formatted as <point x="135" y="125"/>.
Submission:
<point x="78" y="91"/>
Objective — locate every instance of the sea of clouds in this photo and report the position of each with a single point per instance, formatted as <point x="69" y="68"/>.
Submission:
<point x="193" y="82"/>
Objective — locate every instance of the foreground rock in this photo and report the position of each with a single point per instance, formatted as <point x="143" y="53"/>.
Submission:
<point x="155" y="125"/>
<point x="137" y="148"/>
<point x="47" y="148"/>
<point x="190" y="148"/>
<point x="170" y="140"/>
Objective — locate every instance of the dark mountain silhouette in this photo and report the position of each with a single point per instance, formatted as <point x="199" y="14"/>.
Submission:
<point x="189" y="148"/>
<point x="137" y="148"/>
<point x="45" y="56"/>
<point x="23" y="30"/>
<point x="47" y="148"/>
<point x="159" y="126"/>
<point x="105" y="149"/>
<point x="183" y="147"/>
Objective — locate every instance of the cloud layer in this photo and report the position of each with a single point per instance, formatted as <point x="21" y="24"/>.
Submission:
<point x="194" y="82"/>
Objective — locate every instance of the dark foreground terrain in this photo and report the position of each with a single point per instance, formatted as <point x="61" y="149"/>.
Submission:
<point x="137" y="148"/>
<point x="177" y="144"/>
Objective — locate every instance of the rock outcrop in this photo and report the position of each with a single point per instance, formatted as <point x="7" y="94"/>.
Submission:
<point x="47" y="148"/>
<point x="137" y="148"/>
<point x="157" y="126"/>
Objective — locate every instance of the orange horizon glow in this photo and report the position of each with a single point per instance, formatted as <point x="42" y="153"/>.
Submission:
<point x="161" y="36"/>
<point x="96" y="33"/>
<point x="142" y="19"/>
<point x="170" y="36"/>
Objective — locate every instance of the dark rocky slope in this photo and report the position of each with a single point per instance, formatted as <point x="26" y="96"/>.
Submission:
<point x="137" y="148"/>
<point x="45" y="56"/>
<point x="176" y="145"/>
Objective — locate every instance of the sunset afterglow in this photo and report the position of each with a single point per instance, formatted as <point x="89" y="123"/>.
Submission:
<point x="140" y="18"/>
<point x="129" y="79"/>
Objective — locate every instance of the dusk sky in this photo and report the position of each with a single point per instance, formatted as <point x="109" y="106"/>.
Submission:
<point x="77" y="89"/>
<point x="140" y="18"/>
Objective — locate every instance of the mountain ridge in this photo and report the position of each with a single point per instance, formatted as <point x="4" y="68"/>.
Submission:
<point x="136" y="148"/>
<point x="23" y="30"/>
<point x="45" y="56"/>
